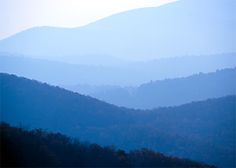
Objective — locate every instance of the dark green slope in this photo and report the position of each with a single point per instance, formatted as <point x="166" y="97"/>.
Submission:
<point x="203" y="131"/>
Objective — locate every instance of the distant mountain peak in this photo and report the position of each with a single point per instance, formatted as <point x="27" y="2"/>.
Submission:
<point x="180" y="28"/>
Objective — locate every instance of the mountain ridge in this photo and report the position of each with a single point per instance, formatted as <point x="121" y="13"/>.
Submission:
<point x="61" y="151"/>
<point x="162" y="92"/>
<point x="205" y="130"/>
<point x="132" y="35"/>
<point x="130" y="74"/>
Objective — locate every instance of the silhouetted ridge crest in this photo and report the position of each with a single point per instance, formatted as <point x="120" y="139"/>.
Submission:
<point x="21" y="148"/>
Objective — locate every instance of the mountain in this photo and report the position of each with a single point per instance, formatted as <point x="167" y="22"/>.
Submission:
<point x="163" y="92"/>
<point x="203" y="131"/>
<point x="185" y="27"/>
<point x="132" y="73"/>
<point x="37" y="148"/>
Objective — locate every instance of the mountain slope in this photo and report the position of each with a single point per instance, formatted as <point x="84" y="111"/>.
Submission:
<point x="135" y="73"/>
<point x="181" y="28"/>
<point x="37" y="148"/>
<point x="38" y="104"/>
<point x="163" y="93"/>
<point x="203" y="131"/>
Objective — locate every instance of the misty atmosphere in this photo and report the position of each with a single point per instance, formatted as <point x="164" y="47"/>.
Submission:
<point x="148" y="85"/>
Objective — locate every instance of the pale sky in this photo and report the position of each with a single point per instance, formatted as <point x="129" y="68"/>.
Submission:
<point x="18" y="15"/>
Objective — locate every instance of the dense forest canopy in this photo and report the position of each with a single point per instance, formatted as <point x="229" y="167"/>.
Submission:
<point x="21" y="148"/>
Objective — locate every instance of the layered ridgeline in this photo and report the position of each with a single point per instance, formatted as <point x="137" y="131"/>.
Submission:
<point x="167" y="92"/>
<point x="37" y="148"/>
<point x="203" y="131"/>
<point x="124" y="74"/>
<point x="180" y="28"/>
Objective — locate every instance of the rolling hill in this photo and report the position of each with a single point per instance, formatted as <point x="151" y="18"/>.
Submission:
<point x="127" y="74"/>
<point x="163" y="92"/>
<point x="203" y="131"/>
<point x="186" y="27"/>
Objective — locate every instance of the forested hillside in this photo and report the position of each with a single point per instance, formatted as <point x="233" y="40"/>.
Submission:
<point x="154" y="94"/>
<point x="202" y="131"/>
<point x="21" y="148"/>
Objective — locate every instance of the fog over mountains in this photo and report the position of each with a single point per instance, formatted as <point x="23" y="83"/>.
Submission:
<point x="171" y="68"/>
<point x="165" y="92"/>
<point x="126" y="74"/>
<point x="197" y="27"/>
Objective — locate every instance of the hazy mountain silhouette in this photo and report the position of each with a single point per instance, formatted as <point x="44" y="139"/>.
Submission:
<point x="37" y="148"/>
<point x="163" y="93"/>
<point x="203" y="131"/>
<point x="133" y="73"/>
<point x="184" y="27"/>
